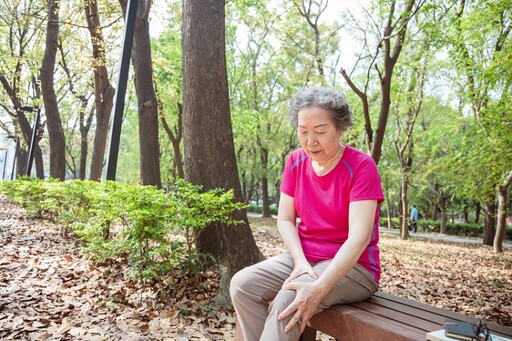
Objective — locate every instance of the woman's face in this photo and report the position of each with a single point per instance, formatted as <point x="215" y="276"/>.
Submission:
<point x="317" y="134"/>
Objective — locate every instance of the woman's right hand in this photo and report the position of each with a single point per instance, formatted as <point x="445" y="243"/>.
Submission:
<point x="301" y="268"/>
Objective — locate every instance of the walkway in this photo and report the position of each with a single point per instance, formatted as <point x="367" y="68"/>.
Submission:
<point x="443" y="237"/>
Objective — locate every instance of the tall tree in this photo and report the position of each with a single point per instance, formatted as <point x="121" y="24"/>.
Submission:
<point x="84" y="120"/>
<point x="404" y="138"/>
<point x="20" y="41"/>
<point x="481" y="43"/>
<point x="167" y="63"/>
<point x="147" y="104"/>
<point x="103" y="90"/>
<point x="388" y="47"/>
<point x="208" y="139"/>
<point x="46" y="76"/>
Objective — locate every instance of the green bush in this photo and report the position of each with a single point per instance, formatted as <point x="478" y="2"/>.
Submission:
<point x="153" y="231"/>
<point x="259" y="209"/>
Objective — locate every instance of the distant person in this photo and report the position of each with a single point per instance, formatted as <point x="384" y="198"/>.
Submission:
<point x="414" y="219"/>
<point x="332" y="255"/>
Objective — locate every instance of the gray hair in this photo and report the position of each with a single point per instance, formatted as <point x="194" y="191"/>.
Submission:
<point x="325" y="98"/>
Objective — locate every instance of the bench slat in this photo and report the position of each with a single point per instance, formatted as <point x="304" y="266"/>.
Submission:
<point x="406" y="317"/>
<point x="439" y="314"/>
<point x="387" y="317"/>
<point x="353" y="324"/>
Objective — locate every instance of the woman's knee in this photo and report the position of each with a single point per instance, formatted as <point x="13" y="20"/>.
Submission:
<point x="242" y="282"/>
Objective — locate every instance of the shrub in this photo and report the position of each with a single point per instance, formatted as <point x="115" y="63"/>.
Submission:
<point x="152" y="230"/>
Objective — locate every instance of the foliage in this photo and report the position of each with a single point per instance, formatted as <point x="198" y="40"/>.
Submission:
<point x="259" y="209"/>
<point x="149" y="228"/>
<point x="461" y="137"/>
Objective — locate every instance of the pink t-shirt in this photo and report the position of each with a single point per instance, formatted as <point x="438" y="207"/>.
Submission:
<point x="322" y="203"/>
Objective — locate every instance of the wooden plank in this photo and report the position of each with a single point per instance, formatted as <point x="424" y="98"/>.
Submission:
<point x="400" y="317"/>
<point x="352" y="324"/>
<point x="443" y="313"/>
<point x="309" y="334"/>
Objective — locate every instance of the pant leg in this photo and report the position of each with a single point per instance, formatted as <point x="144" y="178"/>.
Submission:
<point x="253" y="288"/>
<point x="356" y="286"/>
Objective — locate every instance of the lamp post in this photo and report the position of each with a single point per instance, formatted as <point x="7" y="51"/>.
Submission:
<point x="118" y="109"/>
<point x="17" y="140"/>
<point x="5" y="163"/>
<point x="34" y="135"/>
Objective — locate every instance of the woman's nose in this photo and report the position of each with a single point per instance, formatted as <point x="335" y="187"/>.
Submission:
<point x="311" y="139"/>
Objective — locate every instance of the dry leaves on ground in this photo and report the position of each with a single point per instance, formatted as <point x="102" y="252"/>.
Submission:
<point x="50" y="291"/>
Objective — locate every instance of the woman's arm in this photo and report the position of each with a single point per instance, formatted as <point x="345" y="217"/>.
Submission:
<point x="286" y="223"/>
<point x="361" y="221"/>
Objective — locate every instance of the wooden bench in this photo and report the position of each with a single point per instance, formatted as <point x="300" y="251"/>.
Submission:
<point x="384" y="317"/>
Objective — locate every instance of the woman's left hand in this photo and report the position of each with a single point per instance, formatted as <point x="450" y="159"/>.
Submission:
<point x="307" y="298"/>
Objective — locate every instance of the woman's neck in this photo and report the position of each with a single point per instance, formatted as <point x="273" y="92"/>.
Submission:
<point x="329" y="164"/>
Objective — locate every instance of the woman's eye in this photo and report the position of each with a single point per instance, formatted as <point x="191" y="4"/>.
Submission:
<point x="320" y="132"/>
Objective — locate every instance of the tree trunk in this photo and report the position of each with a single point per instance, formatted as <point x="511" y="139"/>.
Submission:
<point x="490" y="223"/>
<point x="146" y="96"/>
<point x="405" y="207"/>
<point x="103" y="90"/>
<point x="444" y="215"/>
<point x="175" y="138"/>
<point x="264" y="183"/>
<point x="84" y="147"/>
<point x="208" y="138"/>
<point x="53" y="121"/>
<point x="38" y="160"/>
<point x="478" y="209"/>
<point x="502" y="214"/>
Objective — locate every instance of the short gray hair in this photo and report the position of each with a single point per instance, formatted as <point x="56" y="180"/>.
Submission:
<point x="326" y="98"/>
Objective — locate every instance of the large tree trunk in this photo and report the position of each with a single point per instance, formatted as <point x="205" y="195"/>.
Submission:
<point x="53" y="121"/>
<point x="147" y="104"/>
<point x="103" y="91"/>
<point x="208" y="138"/>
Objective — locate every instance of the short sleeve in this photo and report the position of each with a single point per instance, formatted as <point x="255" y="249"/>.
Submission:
<point x="367" y="184"/>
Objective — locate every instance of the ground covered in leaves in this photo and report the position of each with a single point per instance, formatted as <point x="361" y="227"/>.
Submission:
<point x="50" y="291"/>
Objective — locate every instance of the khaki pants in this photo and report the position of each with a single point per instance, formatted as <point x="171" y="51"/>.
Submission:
<point x="258" y="298"/>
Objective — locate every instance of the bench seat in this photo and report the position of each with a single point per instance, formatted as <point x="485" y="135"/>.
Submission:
<point x="386" y="317"/>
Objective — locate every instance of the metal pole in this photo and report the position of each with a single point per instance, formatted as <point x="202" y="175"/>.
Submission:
<point x="5" y="163"/>
<point x="118" y="108"/>
<point x="33" y="142"/>
<point x="17" y="139"/>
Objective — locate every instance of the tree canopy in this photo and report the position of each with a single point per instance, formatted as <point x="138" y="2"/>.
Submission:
<point x="429" y="83"/>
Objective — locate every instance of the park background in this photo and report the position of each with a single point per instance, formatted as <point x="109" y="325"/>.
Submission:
<point x="429" y="83"/>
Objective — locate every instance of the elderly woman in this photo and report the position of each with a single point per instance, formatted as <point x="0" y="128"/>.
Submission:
<point x="332" y="254"/>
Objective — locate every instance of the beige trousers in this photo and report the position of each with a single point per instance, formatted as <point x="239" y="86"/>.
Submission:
<point x="258" y="298"/>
